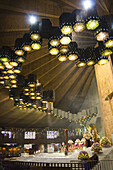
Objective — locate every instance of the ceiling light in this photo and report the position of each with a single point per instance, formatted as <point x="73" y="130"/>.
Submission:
<point x="6" y="76"/>
<point x="102" y="60"/>
<point x="31" y="80"/>
<point x="65" y="39"/>
<point x="1" y="81"/>
<point x="81" y="64"/>
<point x="35" y="37"/>
<point x="1" y="66"/>
<point x="109" y="43"/>
<point x="106" y="52"/>
<point x="72" y="57"/>
<point x="53" y="50"/>
<point x="18" y="47"/>
<point x="26" y="93"/>
<point x="14" y="86"/>
<point x="12" y="76"/>
<point x="62" y="57"/>
<point x="87" y="4"/>
<point x="66" y="30"/>
<point x="26" y="42"/>
<point x="18" y="69"/>
<point x="32" y="19"/>
<point x="36" y="45"/>
<point x="32" y="97"/>
<point x="13" y="81"/>
<point x="10" y="71"/>
<point x="79" y="27"/>
<point x="92" y="24"/>
<point x="90" y="62"/>
<point x="54" y="42"/>
<point x="38" y="97"/>
<point x="64" y="49"/>
<point x="5" y="54"/>
<point x="102" y="36"/>
<point x="34" y="32"/>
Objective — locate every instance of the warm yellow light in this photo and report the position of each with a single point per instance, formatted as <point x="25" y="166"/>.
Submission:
<point x="37" y="93"/>
<point x="92" y="24"/>
<point x="79" y="27"/>
<point x="27" y="48"/>
<point x="81" y="64"/>
<point x="10" y="71"/>
<point x="7" y="87"/>
<point x="13" y="86"/>
<point x="72" y="57"/>
<point x="2" y="67"/>
<point x="13" y="81"/>
<point x="109" y="43"/>
<point x="19" y="52"/>
<point x="21" y="59"/>
<point x="32" y="97"/>
<point x="62" y="58"/>
<point x="26" y="94"/>
<point x="54" y="51"/>
<point x="54" y="42"/>
<point x="26" y="89"/>
<point x="11" y="98"/>
<point x="107" y="52"/>
<point x="32" y="89"/>
<point x="64" y="49"/>
<point x="4" y="71"/>
<point x="35" y="37"/>
<point x="14" y="63"/>
<point x="34" y="105"/>
<point x="102" y="36"/>
<point x="31" y="85"/>
<point x="17" y="71"/>
<point x="66" y="30"/>
<point x="90" y="62"/>
<point x="32" y="93"/>
<point x="65" y="40"/>
<point x="38" y="97"/>
<point x="36" y="46"/>
<point x="39" y="107"/>
<point x="12" y="76"/>
<point x="1" y="82"/>
<point x="102" y="61"/>
<point x="9" y="66"/>
<point x="6" y="77"/>
<point x="44" y="101"/>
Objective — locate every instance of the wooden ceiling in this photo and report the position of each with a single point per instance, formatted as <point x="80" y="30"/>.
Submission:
<point x="70" y="83"/>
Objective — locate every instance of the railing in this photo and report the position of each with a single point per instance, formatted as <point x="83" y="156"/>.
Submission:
<point x="77" y="165"/>
<point x="104" y="165"/>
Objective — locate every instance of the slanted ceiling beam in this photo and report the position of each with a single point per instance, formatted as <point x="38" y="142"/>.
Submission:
<point x="67" y="2"/>
<point x="25" y="11"/>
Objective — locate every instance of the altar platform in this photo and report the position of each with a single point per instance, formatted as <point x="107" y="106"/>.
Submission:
<point x="60" y="157"/>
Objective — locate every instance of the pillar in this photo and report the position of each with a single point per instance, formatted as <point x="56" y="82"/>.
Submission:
<point x="104" y="76"/>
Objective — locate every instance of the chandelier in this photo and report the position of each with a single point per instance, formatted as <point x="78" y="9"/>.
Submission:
<point x="60" y="43"/>
<point x="30" y="94"/>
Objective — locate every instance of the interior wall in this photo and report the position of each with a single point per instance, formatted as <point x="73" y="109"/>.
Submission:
<point x="92" y="100"/>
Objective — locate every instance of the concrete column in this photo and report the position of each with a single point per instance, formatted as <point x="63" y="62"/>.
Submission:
<point x="104" y="76"/>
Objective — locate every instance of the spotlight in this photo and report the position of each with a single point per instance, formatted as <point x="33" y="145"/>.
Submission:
<point x="31" y="80"/>
<point x="64" y="49"/>
<point x="87" y="4"/>
<point x="102" y="60"/>
<point x="53" y="50"/>
<point x="104" y="51"/>
<point x="7" y="86"/>
<point x="5" y="54"/>
<point x="54" y="42"/>
<point x="92" y="24"/>
<point x="1" y="66"/>
<point x="13" y="81"/>
<point x="38" y="97"/>
<point x="1" y="81"/>
<point x="32" y="97"/>
<point x="9" y="66"/>
<point x="62" y="57"/>
<point x="65" y="23"/>
<point x="89" y="54"/>
<point x="81" y="64"/>
<point x="35" y="32"/>
<point x="109" y="42"/>
<point x="36" y="45"/>
<point x="32" y="19"/>
<point x="32" y="93"/>
<point x="18" y="69"/>
<point x="78" y="20"/>
<point x="12" y="76"/>
<point x="26" y="42"/>
<point x="21" y="58"/>
<point x="6" y="76"/>
<point x="26" y="93"/>
<point x="79" y="27"/>
<point x="18" y="47"/>
<point x="102" y="31"/>
<point x="73" y="54"/>
<point x="10" y="71"/>
<point x="14" y="86"/>
<point x="65" y="39"/>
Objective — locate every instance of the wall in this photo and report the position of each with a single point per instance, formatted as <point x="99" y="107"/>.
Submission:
<point x="92" y="100"/>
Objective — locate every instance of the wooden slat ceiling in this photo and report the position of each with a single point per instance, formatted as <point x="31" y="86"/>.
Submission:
<point x="69" y="82"/>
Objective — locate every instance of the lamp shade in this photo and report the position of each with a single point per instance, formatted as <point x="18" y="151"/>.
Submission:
<point x="5" y="54"/>
<point x="26" y="42"/>
<point x="31" y="80"/>
<point x="18" y="47"/>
